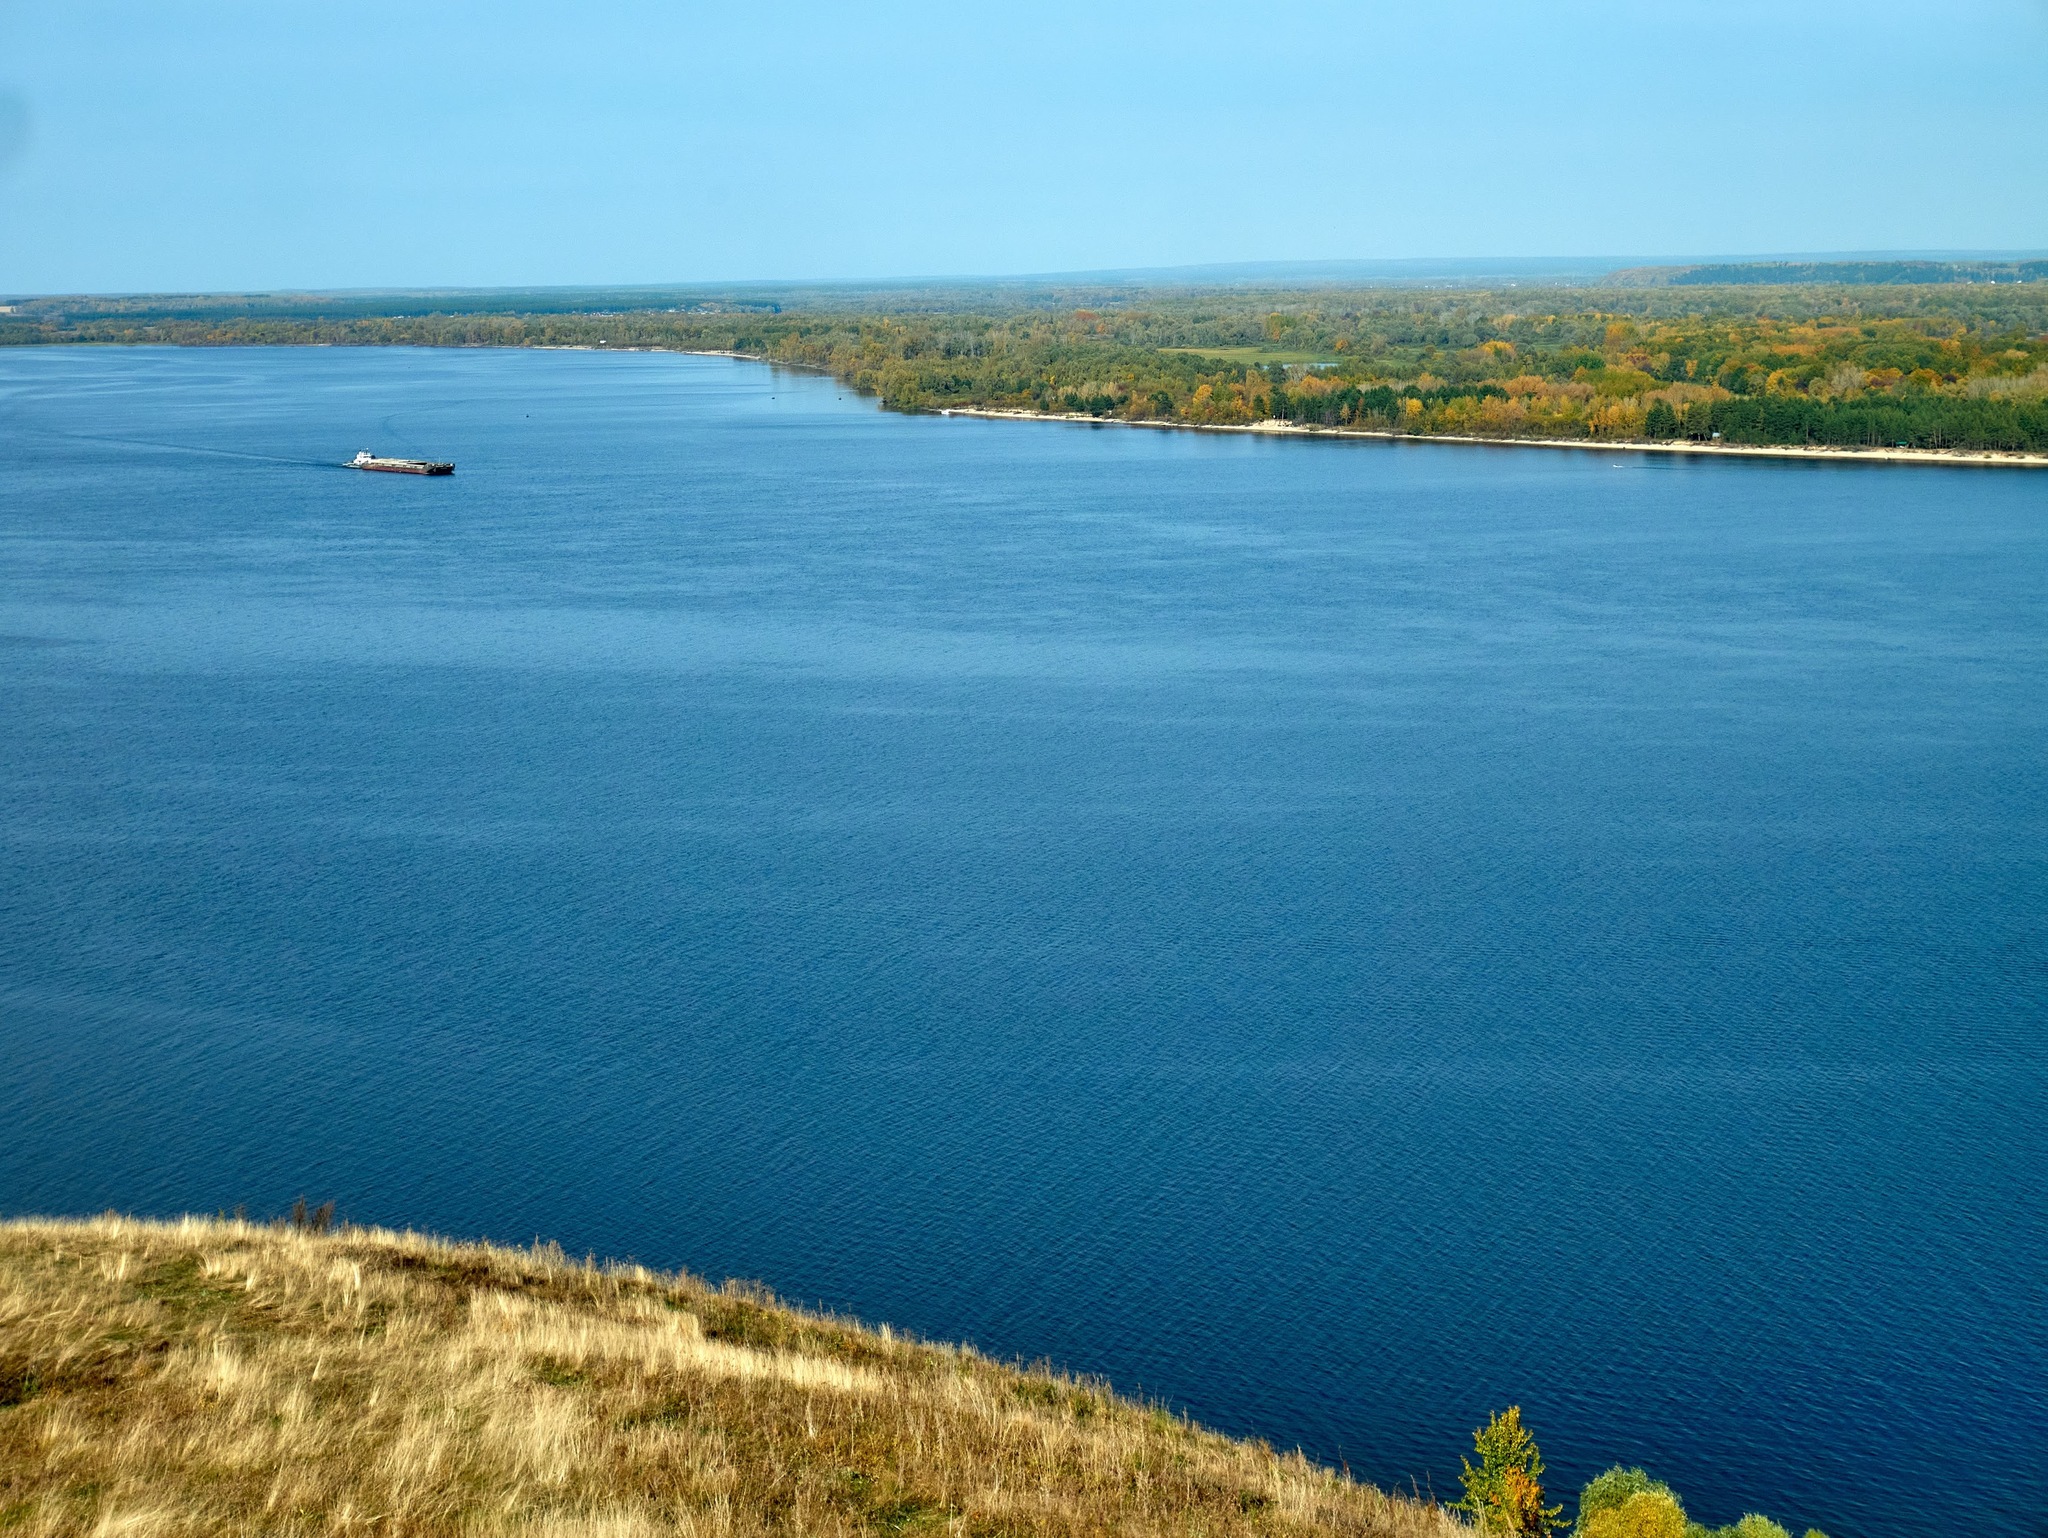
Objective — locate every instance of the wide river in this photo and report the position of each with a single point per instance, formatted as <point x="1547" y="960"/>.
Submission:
<point x="1339" y="937"/>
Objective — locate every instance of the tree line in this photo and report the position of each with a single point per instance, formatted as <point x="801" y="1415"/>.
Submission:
<point x="1951" y="366"/>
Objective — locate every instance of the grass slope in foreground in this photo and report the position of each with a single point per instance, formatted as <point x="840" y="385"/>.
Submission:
<point x="218" y="1376"/>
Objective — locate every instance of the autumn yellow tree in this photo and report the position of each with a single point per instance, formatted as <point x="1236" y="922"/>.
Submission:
<point x="1504" y="1494"/>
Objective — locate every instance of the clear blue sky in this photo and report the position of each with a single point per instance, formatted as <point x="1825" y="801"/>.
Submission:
<point x="228" y="145"/>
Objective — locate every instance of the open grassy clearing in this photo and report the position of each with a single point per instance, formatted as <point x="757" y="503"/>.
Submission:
<point x="1259" y="355"/>
<point x="214" y="1376"/>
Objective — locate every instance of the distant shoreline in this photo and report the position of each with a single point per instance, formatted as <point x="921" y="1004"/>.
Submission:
<point x="1982" y="458"/>
<point x="1995" y="458"/>
<point x="1992" y="458"/>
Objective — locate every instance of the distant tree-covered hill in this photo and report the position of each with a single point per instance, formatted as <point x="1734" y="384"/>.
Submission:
<point x="1719" y="274"/>
<point x="1949" y="365"/>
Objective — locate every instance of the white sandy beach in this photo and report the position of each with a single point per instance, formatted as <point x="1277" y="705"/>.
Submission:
<point x="1598" y="445"/>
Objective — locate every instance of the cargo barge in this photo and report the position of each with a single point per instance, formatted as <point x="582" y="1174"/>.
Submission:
<point x="368" y="461"/>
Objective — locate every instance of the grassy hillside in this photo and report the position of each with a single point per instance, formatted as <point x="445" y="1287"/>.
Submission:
<point x="219" y="1376"/>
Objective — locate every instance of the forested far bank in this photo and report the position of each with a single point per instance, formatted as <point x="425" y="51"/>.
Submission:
<point x="1940" y="367"/>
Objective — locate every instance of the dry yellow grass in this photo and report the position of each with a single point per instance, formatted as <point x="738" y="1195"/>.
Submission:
<point x="222" y="1377"/>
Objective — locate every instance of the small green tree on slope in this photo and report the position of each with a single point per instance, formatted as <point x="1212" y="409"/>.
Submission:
<point x="1504" y="1493"/>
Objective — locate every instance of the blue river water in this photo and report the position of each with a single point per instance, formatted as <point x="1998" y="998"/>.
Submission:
<point x="1338" y="937"/>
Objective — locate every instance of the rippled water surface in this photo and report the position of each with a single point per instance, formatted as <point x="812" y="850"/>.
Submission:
<point x="1342" y="937"/>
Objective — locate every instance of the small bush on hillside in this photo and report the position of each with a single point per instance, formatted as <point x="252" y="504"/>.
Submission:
<point x="1505" y="1493"/>
<point x="1751" y="1526"/>
<point x="1646" y="1514"/>
<point x="1612" y="1490"/>
<point x="1754" y="1526"/>
<point x="1628" y="1503"/>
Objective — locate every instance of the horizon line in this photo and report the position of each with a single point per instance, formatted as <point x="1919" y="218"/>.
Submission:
<point x="1194" y="274"/>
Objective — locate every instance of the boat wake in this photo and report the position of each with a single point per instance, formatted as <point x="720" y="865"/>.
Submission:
<point x="186" y="448"/>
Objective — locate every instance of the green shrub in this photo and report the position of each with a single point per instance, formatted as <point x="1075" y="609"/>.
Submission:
<point x="1646" y="1514"/>
<point x="1628" y="1503"/>
<point x="1612" y="1490"/>
<point x="1751" y="1526"/>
